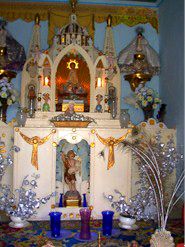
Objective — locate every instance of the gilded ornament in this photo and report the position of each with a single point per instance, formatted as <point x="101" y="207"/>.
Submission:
<point x="161" y="125"/>
<point x="3" y="135"/>
<point x="54" y="144"/>
<point x="111" y="142"/>
<point x="64" y="216"/>
<point x="53" y="131"/>
<point x="52" y="206"/>
<point x="74" y="137"/>
<point x="73" y="130"/>
<point x="16" y="129"/>
<point x="92" y="144"/>
<point x="93" y="131"/>
<point x="77" y="216"/>
<point x="71" y="215"/>
<point x="35" y="142"/>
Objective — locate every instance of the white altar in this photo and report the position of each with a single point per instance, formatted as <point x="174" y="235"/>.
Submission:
<point x="74" y="70"/>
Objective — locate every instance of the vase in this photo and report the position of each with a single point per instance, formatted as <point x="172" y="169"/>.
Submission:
<point x="124" y="118"/>
<point x="84" y="204"/>
<point x="148" y="112"/>
<point x="31" y="108"/>
<point x="3" y="110"/>
<point x="162" y="238"/>
<point x="85" y="233"/>
<point x="21" y="117"/>
<point x="107" y="222"/>
<point x="18" y="222"/>
<point x="55" y="223"/>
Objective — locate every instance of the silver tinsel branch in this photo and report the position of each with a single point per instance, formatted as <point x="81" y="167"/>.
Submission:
<point x="6" y="160"/>
<point x="23" y="203"/>
<point x="155" y="161"/>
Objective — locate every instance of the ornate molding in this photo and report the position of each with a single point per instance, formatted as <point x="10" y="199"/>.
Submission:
<point x="58" y="14"/>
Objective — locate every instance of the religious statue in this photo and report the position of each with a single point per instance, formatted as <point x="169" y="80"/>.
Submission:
<point x="73" y="86"/>
<point x="31" y="99"/>
<point x="46" y="98"/>
<point x="73" y="77"/>
<point x="70" y="110"/>
<point x="71" y="166"/>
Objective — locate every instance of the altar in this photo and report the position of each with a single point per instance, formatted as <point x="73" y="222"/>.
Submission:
<point x="75" y="82"/>
<point x="70" y="84"/>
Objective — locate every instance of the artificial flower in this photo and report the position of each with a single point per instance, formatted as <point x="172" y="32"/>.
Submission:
<point x="7" y="92"/>
<point x="144" y="97"/>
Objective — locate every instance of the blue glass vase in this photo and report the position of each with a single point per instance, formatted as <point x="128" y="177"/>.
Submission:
<point x="61" y="201"/>
<point x="107" y="222"/>
<point x="55" y="223"/>
<point x="84" y="204"/>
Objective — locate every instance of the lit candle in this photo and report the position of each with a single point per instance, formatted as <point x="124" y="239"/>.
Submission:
<point x="99" y="82"/>
<point x="46" y="81"/>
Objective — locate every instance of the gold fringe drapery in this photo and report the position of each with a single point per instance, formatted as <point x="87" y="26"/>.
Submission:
<point x="35" y="142"/>
<point x="58" y="15"/>
<point x="111" y="142"/>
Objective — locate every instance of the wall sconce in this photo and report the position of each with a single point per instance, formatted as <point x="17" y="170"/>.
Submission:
<point x="47" y="81"/>
<point x="99" y="82"/>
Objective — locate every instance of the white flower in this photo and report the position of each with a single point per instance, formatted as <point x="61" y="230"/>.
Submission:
<point x="9" y="102"/>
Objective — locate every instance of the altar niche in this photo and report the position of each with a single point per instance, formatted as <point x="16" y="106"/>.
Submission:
<point x="73" y="83"/>
<point x="72" y="173"/>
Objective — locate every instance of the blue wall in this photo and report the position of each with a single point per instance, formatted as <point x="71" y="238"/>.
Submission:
<point x="123" y="34"/>
<point x="171" y="39"/>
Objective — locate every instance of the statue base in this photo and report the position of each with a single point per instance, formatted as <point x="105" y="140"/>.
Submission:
<point x="72" y="199"/>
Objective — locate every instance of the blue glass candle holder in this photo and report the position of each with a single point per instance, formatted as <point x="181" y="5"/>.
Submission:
<point x="61" y="200"/>
<point x="84" y="204"/>
<point x="107" y="222"/>
<point x="55" y="223"/>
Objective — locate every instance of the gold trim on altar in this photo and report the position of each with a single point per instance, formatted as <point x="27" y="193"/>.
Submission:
<point x="111" y="142"/>
<point x="35" y="142"/>
<point x="58" y="15"/>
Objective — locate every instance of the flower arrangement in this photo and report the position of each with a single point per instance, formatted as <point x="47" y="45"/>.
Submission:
<point x="8" y="94"/>
<point x="145" y="98"/>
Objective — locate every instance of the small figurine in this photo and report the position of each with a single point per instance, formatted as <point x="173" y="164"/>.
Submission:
<point x="46" y="98"/>
<point x="39" y="99"/>
<point x="99" y="98"/>
<point x="31" y="99"/>
<point x="70" y="110"/>
<point x="71" y="166"/>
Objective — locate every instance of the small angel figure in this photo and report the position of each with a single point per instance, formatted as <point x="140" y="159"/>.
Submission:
<point x="71" y="167"/>
<point x="36" y="54"/>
